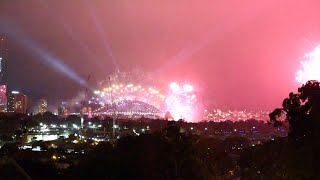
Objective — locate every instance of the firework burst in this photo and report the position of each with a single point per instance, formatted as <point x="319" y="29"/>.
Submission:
<point x="310" y="67"/>
<point x="181" y="101"/>
<point x="137" y="86"/>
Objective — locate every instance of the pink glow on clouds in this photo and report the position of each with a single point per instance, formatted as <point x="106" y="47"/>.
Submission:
<point x="244" y="53"/>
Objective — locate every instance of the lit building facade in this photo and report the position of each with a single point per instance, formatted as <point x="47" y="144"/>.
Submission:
<point x="4" y="53"/>
<point x="10" y="102"/>
<point x="43" y="106"/>
<point x="17" y="102"/>
<point x="3" y="98"/>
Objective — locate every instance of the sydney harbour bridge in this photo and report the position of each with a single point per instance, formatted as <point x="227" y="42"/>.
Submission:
<point x="129" y="101"/>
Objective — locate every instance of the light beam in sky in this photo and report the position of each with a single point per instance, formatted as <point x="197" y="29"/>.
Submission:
<point x="45" y="56"/>
<point x="102" y="32"/>
<point x="69" y="30"/>
<point x="310" y="69"/>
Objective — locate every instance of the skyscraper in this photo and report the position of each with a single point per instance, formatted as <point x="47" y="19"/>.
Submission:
<point x="42" y="106"/>
<point x="17" y="102"/>
<point x="4" y="54"/>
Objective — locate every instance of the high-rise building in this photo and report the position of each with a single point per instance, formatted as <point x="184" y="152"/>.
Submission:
<point x="10" y="102"/>
<point x="17" y="102"/>
<point x="43" y="105"/>
<point x="3" y="98"/>
<point x="4" y="54"/>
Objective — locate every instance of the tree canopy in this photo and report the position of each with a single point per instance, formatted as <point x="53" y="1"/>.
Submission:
<point x="302" y="112"/>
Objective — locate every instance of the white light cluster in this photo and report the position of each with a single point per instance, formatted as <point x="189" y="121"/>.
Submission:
<point x="310" y="67"/>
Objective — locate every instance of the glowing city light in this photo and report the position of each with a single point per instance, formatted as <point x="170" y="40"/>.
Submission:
<point x="96" y="92"/>
<point x="310" y="67"/>
<point x="15" y="92"/>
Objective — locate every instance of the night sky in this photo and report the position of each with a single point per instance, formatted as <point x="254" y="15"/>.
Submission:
<point x="242" y="54"/>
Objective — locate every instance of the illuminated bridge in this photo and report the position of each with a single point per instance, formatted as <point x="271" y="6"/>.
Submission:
<point x="130" y="101"/>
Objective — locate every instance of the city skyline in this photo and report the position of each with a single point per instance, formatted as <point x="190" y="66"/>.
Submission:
<point x="85" y="40"/>
<point x="161" y="89"/>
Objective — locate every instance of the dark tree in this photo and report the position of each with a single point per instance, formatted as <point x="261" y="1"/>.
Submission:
<point x="268" y="161"/>
<point x="9" y="149"/>
<point x="73" y="119"/>
<point x="302" y="111"/>
<point x="3" y="116"/>
<point x="46" y="117"/>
